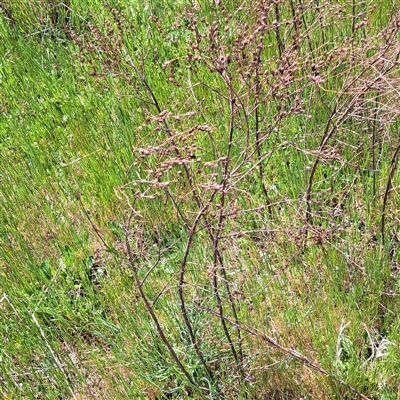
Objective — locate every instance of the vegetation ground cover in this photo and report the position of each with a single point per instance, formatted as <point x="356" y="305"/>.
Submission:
<point x="199" y="199"/>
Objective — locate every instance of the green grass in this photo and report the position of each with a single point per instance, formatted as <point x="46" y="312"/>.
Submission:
<point x="156" y="161"/>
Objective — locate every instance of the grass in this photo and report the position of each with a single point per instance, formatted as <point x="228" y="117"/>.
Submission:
<point x="199" y="201"/>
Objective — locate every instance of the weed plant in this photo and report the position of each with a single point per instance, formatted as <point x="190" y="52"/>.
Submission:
<point x="199" y="200"/>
